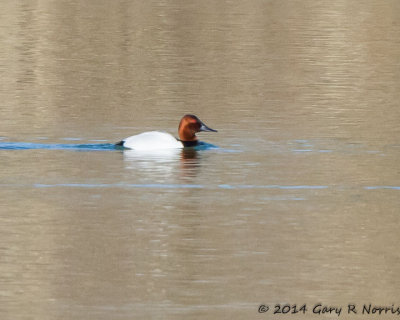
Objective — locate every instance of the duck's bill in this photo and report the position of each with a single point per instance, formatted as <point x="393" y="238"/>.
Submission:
<point x="205" y="128"/>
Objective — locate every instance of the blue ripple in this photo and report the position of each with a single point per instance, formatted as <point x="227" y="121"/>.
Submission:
<point x="76" y="147"/>
<point x="382" y="187"/>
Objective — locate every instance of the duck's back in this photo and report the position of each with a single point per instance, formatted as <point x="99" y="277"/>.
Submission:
<point x="152" y="140"/>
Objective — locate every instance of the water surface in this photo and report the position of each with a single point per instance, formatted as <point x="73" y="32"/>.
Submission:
<point x="298" y="204"/>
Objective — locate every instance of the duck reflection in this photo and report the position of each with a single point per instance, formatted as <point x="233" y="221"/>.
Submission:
<point x="164" y="164"/>
<point x="190" y="162"/>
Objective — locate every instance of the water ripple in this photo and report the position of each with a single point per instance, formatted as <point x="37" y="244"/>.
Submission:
<point x="382" y="187"/>
<point x="163" y="186"/>
<point x="77" y="147"/>
<point x="186" y="186"/>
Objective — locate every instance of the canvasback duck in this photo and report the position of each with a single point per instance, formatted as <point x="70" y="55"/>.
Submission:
<point x="153" y="140"/>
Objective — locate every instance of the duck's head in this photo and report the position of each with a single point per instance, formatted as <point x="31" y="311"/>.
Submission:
<point x="188" y="127"/>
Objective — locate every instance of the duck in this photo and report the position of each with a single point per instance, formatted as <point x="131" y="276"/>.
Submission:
<point x="157" y="140"/>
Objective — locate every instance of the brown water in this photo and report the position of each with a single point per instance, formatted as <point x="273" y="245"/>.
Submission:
<point x="299" y="204"/>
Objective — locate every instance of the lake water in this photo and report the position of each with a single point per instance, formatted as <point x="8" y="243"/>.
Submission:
<point x="299" y="203"/>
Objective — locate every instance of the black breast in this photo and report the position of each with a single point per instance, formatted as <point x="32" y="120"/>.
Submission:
<point x="188" y="144"/>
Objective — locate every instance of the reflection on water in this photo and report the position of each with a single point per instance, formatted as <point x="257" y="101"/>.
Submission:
<point x="297" y="201"/>
<point x="159" y="164"/>
<point x="190" y="163"/>
<point x="164" y="164"/>
<point x="179" y="166"/>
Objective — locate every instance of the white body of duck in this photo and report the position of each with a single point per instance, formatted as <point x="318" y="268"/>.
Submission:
<point x="156" y="140"/>
<point x="152" y="140"/>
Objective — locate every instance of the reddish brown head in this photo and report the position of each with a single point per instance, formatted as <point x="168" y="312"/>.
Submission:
<point x="188" y="127"/>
